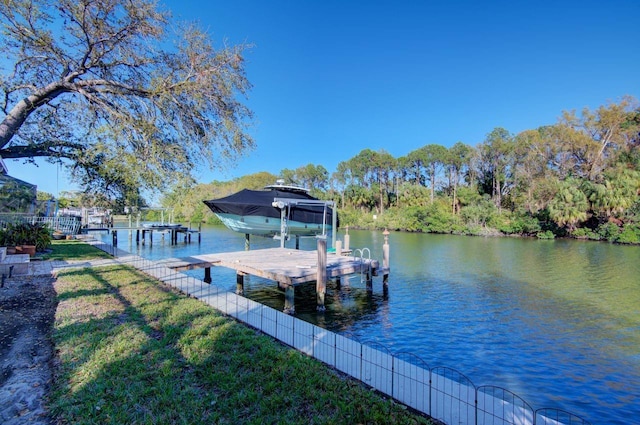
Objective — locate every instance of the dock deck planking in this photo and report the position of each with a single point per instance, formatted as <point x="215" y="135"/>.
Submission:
<point x="288" y="267"/>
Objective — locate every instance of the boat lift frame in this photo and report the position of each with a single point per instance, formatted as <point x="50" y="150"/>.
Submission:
<point x="285" y="204"/>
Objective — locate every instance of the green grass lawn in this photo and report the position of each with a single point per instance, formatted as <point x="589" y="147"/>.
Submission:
<point x="73" y="250"/>
<point x="132" y="351"/>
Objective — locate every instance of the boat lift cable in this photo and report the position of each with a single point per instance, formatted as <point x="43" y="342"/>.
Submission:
<point x="285" y="205"/>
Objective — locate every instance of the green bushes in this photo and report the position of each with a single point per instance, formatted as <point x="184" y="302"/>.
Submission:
<point x="585" y="233"/>
<point x="630" y="234"/>
<point x="608" y="231"/>
<point x="547" y="234"/>
<point x="16" y="234"/>
<point x="520" y="225"/>
<point x="484" y="219"/>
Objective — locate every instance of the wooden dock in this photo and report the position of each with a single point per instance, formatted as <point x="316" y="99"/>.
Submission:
<point x="174" y="232"/>
<point x="287" y="267"/>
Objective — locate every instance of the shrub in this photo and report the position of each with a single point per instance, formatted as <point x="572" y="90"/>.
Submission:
<point x="410" y="219"/>
<point x="609" y="231"/>
<point x="439" y="218"/>
<point x="15" y="234"/>
<point x="519" y="222"/>
<point x="548" y="234"/>
<point x="580" y="233"/>
<point x="593" y="235"/>
<point x="629" y="235"/>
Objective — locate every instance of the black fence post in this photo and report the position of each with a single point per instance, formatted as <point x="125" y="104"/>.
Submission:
<point x="114" y="235"/>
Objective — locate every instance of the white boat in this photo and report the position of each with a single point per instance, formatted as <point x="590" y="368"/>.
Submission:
<point x="277" y="210"/>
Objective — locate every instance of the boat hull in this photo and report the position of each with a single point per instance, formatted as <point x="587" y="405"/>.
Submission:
<point x="269" y="226"/>
<point x="259" y="212"/>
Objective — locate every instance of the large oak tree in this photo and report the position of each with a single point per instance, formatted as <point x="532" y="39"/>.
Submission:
<point x="118" y="93"/>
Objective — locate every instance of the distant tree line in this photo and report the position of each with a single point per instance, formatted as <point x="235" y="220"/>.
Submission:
<point x="579" y="177"/>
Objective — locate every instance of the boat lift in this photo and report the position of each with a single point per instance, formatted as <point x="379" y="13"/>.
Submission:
<point x="285" y="205"/>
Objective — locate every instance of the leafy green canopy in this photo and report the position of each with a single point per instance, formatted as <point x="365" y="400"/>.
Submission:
<point x="113" y="87"/>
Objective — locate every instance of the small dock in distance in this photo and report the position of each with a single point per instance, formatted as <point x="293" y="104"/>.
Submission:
<point x="288" y="267"/>
<point x="173" y="230"/>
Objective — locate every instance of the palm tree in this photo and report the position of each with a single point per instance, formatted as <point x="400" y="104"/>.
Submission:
<point x="615" y="194"/>
<point x="570" y="205"/>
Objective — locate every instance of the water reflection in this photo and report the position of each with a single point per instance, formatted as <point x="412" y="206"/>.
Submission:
<point x="347" y="303"/>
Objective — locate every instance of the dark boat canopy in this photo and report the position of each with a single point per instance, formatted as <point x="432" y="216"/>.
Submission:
<point x="260" y="203"/>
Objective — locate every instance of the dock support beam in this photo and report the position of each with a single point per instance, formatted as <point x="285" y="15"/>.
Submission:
<point x="207" y="275"/>
<point x="239" y="283"/>
<point x="385" y="260"/>
<point x="347" y="238"/>
<point x="247" y="242"/>
<point x="289" y="300"/>
<point x="321" y="280"/>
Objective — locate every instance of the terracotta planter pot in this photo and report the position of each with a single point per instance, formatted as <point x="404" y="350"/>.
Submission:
<point x="26" y="249"/>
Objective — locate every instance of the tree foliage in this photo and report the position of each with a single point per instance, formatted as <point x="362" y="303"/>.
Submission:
<point x="113" y="88"/>
<point x="551" y="181"/>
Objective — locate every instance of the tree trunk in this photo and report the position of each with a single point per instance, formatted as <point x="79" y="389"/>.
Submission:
<point x="433" y="182"/>
<point x="21" y="111"/>
<point x="454" y="182"/>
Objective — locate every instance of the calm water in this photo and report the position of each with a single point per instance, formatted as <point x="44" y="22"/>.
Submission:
<point x="556" y="322"/>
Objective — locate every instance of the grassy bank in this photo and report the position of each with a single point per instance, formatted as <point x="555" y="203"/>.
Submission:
<point x="133" y="351"/>
<point x="73" y="250"/>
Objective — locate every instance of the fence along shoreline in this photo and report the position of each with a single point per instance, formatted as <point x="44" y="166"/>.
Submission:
<point x="442" y="393"/>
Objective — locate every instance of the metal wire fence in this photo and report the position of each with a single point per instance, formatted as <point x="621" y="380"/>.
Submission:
<point x="442" y="393"/>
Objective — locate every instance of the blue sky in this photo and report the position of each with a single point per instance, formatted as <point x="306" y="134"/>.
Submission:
<point x="334" y="77"/>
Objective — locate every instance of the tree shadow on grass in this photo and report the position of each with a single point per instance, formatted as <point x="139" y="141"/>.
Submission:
<point x="160" y="357"/>
<point x="124" y="365"/>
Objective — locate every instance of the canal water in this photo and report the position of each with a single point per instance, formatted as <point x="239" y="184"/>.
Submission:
<point x="556" y="322"/>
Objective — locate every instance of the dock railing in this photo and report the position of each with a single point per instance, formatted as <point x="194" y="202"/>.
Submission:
<point x="440" y="392"/>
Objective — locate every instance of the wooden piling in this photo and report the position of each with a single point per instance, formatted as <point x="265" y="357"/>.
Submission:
<point x="240" y="283"/>
<point x="289" y="300"/>
<point x="321" y="281"/>
<point x="347" y="238"/>
<point x="207" y="275"/>
<point x="385" y="258"/>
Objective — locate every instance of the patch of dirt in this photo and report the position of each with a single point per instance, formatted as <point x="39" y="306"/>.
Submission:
<point x="27" y="312"/>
